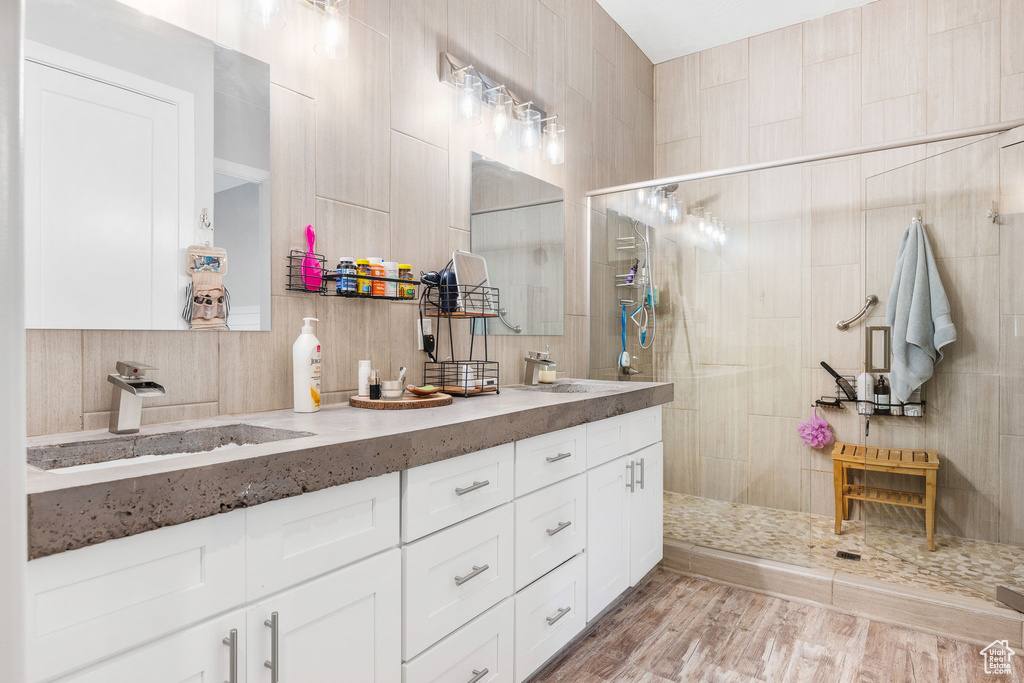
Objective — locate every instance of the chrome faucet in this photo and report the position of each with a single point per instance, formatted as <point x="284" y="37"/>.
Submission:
<point x="534" y="361"/>
<point x="130" y="386"/>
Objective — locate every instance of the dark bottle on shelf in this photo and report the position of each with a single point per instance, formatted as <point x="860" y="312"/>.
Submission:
<point x="883" y="397"/>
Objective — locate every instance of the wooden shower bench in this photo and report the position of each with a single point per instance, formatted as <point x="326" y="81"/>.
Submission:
<point x="921" y="463"/>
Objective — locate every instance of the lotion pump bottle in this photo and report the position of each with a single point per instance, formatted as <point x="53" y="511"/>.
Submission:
<point x="865" y="393"/>
<point x="306" y="369"/>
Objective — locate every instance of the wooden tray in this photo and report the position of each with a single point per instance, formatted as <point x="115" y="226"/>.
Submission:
<point x="407" y="402"/>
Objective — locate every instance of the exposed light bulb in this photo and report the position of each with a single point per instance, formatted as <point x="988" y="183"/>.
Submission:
<point x="468" y="90"/>
<point x="334" y="30"/>
<point x="554" y="143"/>
<point x="264" y="13"/>
<point x="529" y="133"/>
<point x="641" y="195"/>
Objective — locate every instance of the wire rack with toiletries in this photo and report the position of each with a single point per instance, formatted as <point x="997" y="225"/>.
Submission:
<point x="353" y="278"/>
<point x="845" y="394"/>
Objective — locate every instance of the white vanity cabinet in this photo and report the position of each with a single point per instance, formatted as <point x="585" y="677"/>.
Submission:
<point x="475" y="568"/>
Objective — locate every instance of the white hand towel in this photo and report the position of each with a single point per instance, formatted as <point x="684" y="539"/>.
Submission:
<point x="918" y="313"/>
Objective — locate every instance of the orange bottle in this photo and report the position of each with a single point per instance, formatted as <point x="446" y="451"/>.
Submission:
<point x="377" y="270"/>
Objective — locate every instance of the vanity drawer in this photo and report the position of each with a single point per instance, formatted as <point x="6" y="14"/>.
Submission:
<point x="607" y="439"/>
<point x="291" y="540"/>
<point x="454" y="575"/>
<point x="483" y="648"/>
<point x="551" y="527"/>
<point x="644" y="428"/>
<point x="549" y="614"/>
<point x="85" y="605"/>
<point x="442" y="493"/>
<point x="545" y="459"/>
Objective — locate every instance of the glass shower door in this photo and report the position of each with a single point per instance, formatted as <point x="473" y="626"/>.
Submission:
<point x="968" y="196"/>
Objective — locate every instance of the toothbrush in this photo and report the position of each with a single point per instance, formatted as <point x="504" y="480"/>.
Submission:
<point x="312" y="274"/>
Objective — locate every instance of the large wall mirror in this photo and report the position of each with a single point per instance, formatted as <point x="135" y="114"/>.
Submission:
<point x="517" y="223"/>
<point x="141" y="141"/>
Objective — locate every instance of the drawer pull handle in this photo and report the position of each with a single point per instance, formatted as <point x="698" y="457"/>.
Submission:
<point x="476" y="485"/>
<point x="560" y="456"/>
<point x="643" y="469"/>
<point x="232" y="642"/>
<point x="477" y="571"/>
<point x="274" y="662"/>
<point x="631" y="485"/>
<point x="478" y="675"/>
<point x="560" y="527"/>
<point x="561" y="613"/>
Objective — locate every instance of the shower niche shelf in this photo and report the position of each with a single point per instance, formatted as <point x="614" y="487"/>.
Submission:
<point x="840" y="400"/>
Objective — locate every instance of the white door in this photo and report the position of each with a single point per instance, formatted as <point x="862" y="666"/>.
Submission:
<point x="342" y="628"/>
<point x="101" y="204"/>
<point x="608" y="501"/>
<point x="191" y="656"/>
<point x="645" y="514"/>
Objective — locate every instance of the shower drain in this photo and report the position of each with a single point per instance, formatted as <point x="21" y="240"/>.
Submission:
<point x="843" y="555"/>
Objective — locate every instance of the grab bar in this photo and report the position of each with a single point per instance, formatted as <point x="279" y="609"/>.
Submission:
<point x="844" y="325"/>
<point x="501" y="316"/>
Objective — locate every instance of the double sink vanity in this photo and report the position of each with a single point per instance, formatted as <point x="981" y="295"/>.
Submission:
<point x="467" y="543"/>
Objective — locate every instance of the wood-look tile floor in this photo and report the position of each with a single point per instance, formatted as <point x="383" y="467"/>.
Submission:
<point x="677" y="628"/>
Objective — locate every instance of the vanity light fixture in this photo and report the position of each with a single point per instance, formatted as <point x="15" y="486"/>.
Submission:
<point x="509" y="114"/>
<point x="333" y="17"/>
<point x="264" y="13"/>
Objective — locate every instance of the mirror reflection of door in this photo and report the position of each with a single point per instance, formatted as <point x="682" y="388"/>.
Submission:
<point x="102" y="156"/>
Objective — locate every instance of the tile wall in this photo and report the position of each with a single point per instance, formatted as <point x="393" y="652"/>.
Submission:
<point x="366" y="150"/>
<point x="745" y="328"/>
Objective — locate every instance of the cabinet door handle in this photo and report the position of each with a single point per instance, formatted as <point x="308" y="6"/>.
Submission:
<point x="643" y="471"/>
<point x="274" y="663"/>
<point x="560" y="527"/>
<point x="478" y="675"/>
<point x="477" y="571"/>
<point x="560" y="456"/>
<point x="561" y="613"/>
<point x="232" y="642"/>
<point x="632" y="476"/>
<point x="476" y="485"/>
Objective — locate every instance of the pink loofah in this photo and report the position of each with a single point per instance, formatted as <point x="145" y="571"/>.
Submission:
<point x="815" y="431"/>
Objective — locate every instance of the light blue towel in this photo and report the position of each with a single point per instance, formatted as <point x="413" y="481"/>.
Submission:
<point x="918" y="313"/>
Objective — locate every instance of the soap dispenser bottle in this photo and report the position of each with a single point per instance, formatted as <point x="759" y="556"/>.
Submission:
<point x="306" y="370"/>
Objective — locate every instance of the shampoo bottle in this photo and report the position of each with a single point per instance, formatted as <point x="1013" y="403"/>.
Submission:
<point x="306" y="369"/>
<point x="865" y="393"/>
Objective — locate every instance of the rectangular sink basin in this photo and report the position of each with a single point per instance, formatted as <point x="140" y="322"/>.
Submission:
<point x="76" y="456"/>
<point x="570" y="387"/>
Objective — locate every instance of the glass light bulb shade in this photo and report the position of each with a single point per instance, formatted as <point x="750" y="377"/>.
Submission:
<point x="641" y="195"/>
<point x="554" y="143"/>
<point x="503" y="117"/>
<point x="653" y="199"/>
<point x="529" y="130"/>
<point x="468" y="93"/>
<point x="265" y="13"/>
<point x="663" y="206"/>
<point x="332" y="42"/>
<point x="675" y="211"/>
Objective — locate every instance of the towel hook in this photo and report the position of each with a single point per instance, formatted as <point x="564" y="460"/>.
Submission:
<point x="844" y="325"/>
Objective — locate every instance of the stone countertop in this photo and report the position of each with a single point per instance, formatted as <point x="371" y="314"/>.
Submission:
<point x="78" y="509"/>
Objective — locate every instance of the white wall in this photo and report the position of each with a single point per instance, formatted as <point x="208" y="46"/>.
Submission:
<point x="12" y="350"/>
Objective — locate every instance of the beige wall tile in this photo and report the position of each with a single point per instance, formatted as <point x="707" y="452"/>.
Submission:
<point x="255" y="367"/>
<point x="677" y="99"/>
<point x="832" y="99"/>
<point x="605" y="39"/>
<point x="1012" y="107"/>
<point x="293" y="167"/>
<point x="54" y="355"/>
<point x="419" y="223"/>
<point x="644" y="72"/>
<point x="1012" y="17"/>
<point x="604" y="138"/>
<point x="963" y="425"/>
<point x="894" y="178"/>
<point x="579" y="67"/>
<point x="515" y="22"/>
<point x="549" y="60"/>
<point x="723" y="329"/>
<point x="894" y="48"/>
<point x="884" y="230"/>
<point x="643" y="138"/>
<point x="724" y="139"/>
<point x="682" y="451"/>
<point x="970" y="284"/>
<point x="774" y="471"/>
<point x="723" y="413"/>
<point x="723" y="480"/>
<point x="963" y="77"/>
<point x="375" y="14"/>
<point x="352" y="330"/>
<point x="961" y="186"/>
<point x="836" y="294"/>
<point x="472" y="35"/>
<point x="944" y="15"/>
<point x="775" y="378"/>
<point x="723" y="64"/>
<point x="832" y="36"/>
<point x="188" y="362"/>
<point x="625" y="80"/>
<point x="352" y="113"/>
<point x="895" y="119"/>
<point x="773" y="141"/>
<point x="197" y="16"/>
<point x="776" y="76"/>
<point x="1011" y="284"/>
<point x="835" y="213"/>
<point x="777" y="193"/>
<point x="579" y="119"/>
<point x="1011" y="503"/>
<point x="678" y="157"/>
<point x="419" y="101"/>
<point x="346" y="230"/>
<point x="774" y="281"/>
<point x="576" y="264"/>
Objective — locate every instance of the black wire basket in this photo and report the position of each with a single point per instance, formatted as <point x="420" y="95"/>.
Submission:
<point x="463" y="377"/>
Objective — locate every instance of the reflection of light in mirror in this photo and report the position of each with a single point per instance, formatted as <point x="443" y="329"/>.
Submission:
<point x="264" y="13"/>
<point x="334" y="30"/>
